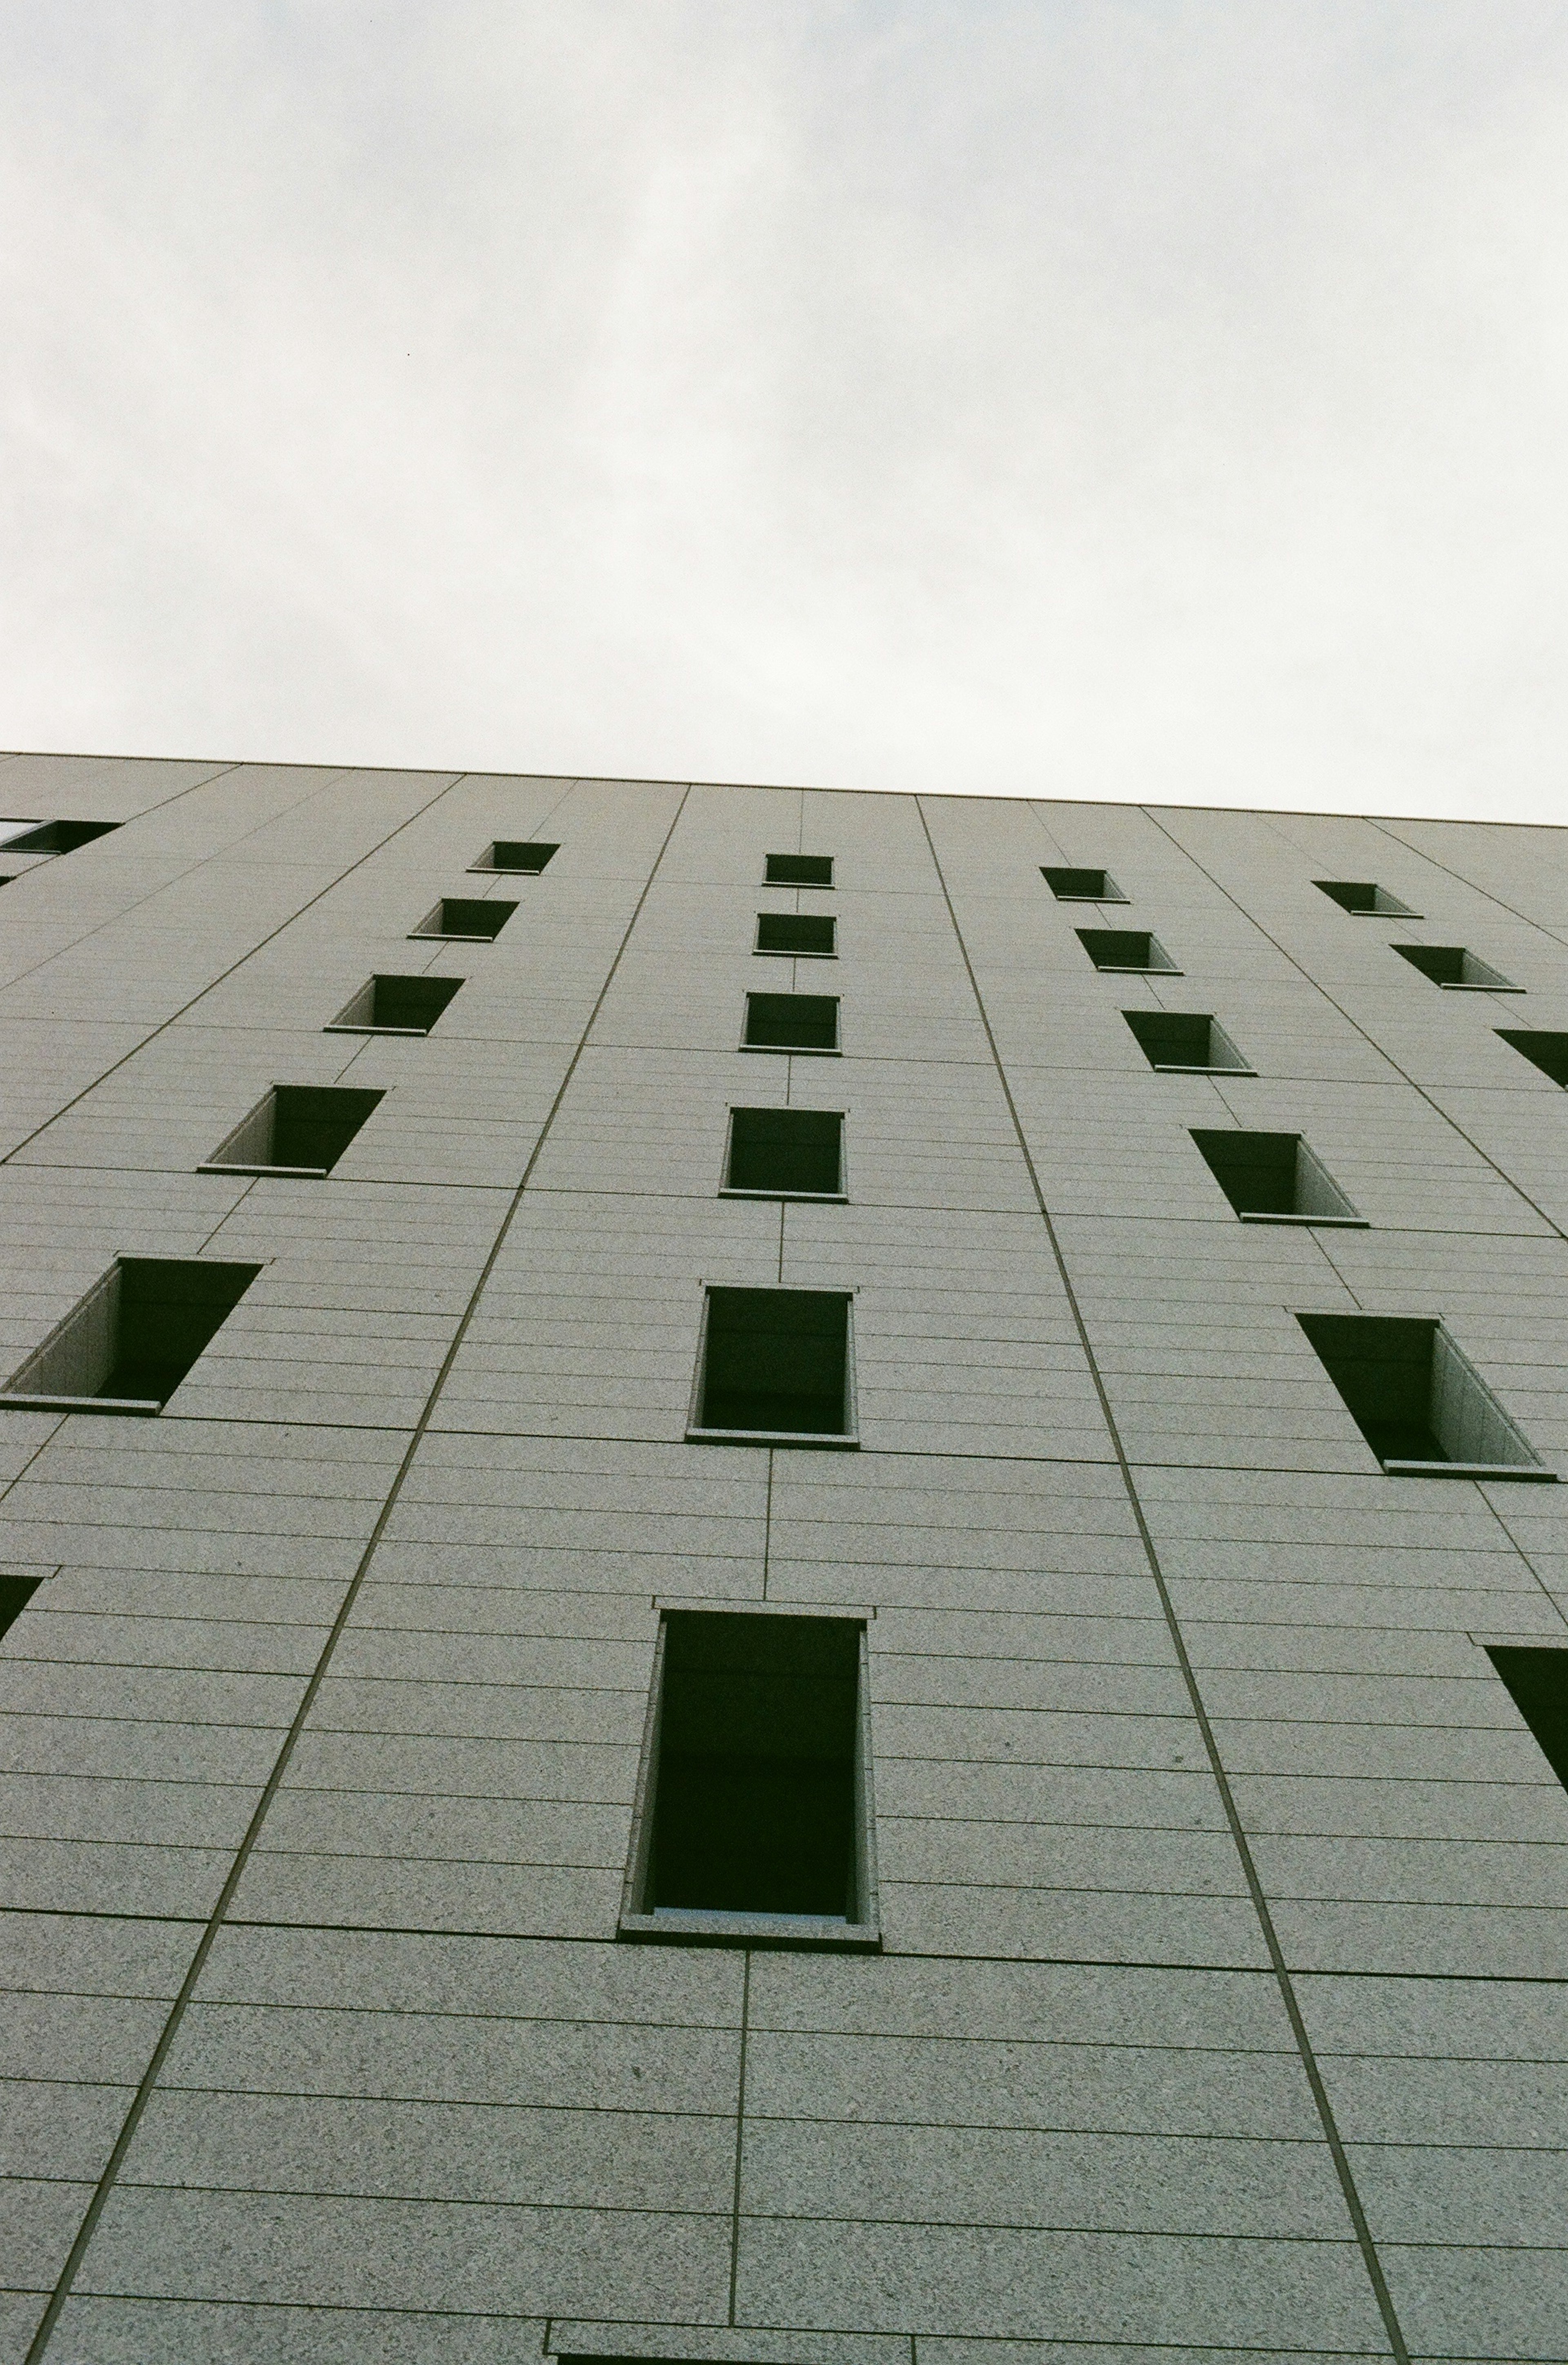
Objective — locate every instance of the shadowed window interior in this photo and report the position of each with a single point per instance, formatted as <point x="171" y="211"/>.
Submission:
<point x="1126" y="948"/>
<point x="791" y="1022"/>
<point x="525" y="856"/>
<point x="1272" y="1177"/>
<point x="466" y="918"/>
<point x="1538" y="1685"/>
<point x="1181" y="1039"/>
<point x="796" y="1152"/>
<point x="1451" y="964"/>
<point x="1547" y="1051"/>
<point x="1364" y="896"/>
<point x="797" y="932"/>
<point x="15" y="1592"/>
<point x="775" y="1363"/>
<point x="59" y="837"/>
<point x="1082" y="886"/>
<point x="1413" y="1396"/>
<point x="798" y="870"/>
<point x="136" y="1334"/>
<point x="296" y="1130"/>
<point x="395" y="1006"/>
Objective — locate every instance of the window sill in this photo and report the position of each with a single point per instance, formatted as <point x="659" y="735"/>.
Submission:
<point x="1180" y="1067"/>
<point x="798" y="1051"/>
<point x="797" y="1933"/>
<point x="771" y="952"/>
<point x="238" y="1166"/>
<point x="19" y="1403"/>
<point x="1132" y="969"/>
<point x="820" y="1442"/>
<point x="810" y="1198"/>
<point x="1343" y="1223"/>
<point x="345" y="1026"/>
<point x="1461" y="985"/>
<point x="449" y="936"/>
<point x="1489" y="1470"/>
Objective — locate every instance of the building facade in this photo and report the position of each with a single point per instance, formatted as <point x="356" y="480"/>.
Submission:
<point x="784" y="1572"/>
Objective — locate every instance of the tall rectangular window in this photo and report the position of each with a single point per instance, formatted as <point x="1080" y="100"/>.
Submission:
<point x="1069" y="886"/>
<point x="752" y="1822"/>
<point x="805" y="934"/>
<point x="1456" y="967"/>
<point x="1120" y="950"/>
<point x="59" y="837"/>
<point x="1363" y="899"/>
<point x="1273" y="1178"/>
<point x="791" y="1022"/>
<point x="395" y="1006"/>
<point x="786" y="1153"/>
<point x="1186" y="1042"/>
<point x="1421" y="1407"/>
<point x="1543" y="1050"/>
<point x="774" y="1367"/>
<point x="523" y="857"/>
<point x="297" y="1130"/>
<point x="1538" y="1685"/>
<point x="465" y="919"/>
<point x="798" y="870"/>
<point x="130" y="1341"/>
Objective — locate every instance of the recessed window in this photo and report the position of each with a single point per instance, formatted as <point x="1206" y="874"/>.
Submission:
<point x="1452" y="966"/>
<point x="133" y="1338"/>
<point x="801" y="933"/>
<point x="296" y="1130"/>
<point x="753" y="1824"/>
<point x="1082" y="886"/>
<point x="1126" y="948"/>
<point x="1185" y="1043"/>
<point x="58" y="836"/>
<point x="1273" y="1178"/>
<point x="1422" y="1409"/>
<point x="1363" y="899"/>
<point x="395" y="1006"/>
<point x="1544" y="1050"/>
<point x="15" y="1592"/>
<point x="773" y="1367"/>
<point x="524" y="857"/>
<point x="786" y="1153"/>
<point x="1536" y="1680"/>
<point x="465" y="919"/>
<point x="791" y="1022"/>
<point x="798" y="870"/>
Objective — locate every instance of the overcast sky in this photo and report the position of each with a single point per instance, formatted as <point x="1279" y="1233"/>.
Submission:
<point x="1072" y="399"/>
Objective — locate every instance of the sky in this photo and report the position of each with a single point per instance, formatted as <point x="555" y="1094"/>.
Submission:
<point x="1120" y="399"/>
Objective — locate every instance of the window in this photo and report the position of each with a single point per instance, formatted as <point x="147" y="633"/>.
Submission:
<point x="786" y="1153"/>
<point x="791" y="1022"/>
<point x="1538" y="1685"/>
<point x="1185" y="1043"/>
<point x="1126" y="948"/>
<point x="1082" y="886"/>
<point x="395" y="1006"/>
<point x="753" y="1823"/>
<point x="1421" y="1408"/>
<point x="1273" y="1178"/>
<point x="1362" y="898"/>
<point x="59" y="837"/>
<point x="296" y="1130"/>
<point x="774" y="1367"/>
<point x="133" y="1338"/>
<point x="523" y="856"/>
<point x="798" y="870"/>
<point x="1451" y="965"/>
<point x="15" y="1592"/>
<point x="464" y="918"/>
<point x="1544" y="1050"/>
<point x="797" y="932"/>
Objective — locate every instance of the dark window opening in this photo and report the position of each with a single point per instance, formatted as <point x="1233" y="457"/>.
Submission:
<point x="1451" y="964"/>
<point x="1544" y="1050"/>
<point x="1126" y="948"/>
<point x="465" y="918"/>
<point x="1272" y="1177"/>
<point x="15" y="1592"/>
<point x="752" y="1822"/>
<point x="1419" y="1405"/>
<point x="797" y="932"/>
<point x="60" y="836"/>
<point x="798" y="870"/>
<point x="521" y="855"/>
<point x="1538" y="1685"/>
<point x="395" y="1006"/>
<point x="791" y="1022"/>
<point x="1182" y="1041"/>
<point x="796" y="1153"/>
<point x="774" y="1363"/>
<point x="135" y="1335"/>
<point x="1363" y="895"/>
<point x="1082" y="886"/>
<point x="297" y="1130"/>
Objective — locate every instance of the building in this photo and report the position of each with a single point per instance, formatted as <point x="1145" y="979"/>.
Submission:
<point x="784" y="1576"/>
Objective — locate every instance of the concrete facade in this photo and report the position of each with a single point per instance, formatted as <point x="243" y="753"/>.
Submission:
<point x="1219" y="2014"/>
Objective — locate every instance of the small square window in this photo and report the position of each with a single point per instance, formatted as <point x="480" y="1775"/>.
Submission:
<point x="59" y="837"/>
<point x="1118" y="949"/>
<point x="1185" y="1043"/>
<point x="1082" y="886"/>
<point x="801" y="933"/>
<point x="523" y="856"/>
<point x="1537" y="1682"/>
<point x="774" y="1368"/>
<point x="1362" y="898"/>
<point x="395" y="1006"/>
<point x="296" y="1130"/>
<point x="1273" y="1178"/>
<point x="798" y="870"/>
<point x="786" y="1153"/>
<point x="1452" y="966"/>
<point x="15" y="1592"/>
<point x="1423" y="1410"/>
<point x="133" y="1338"/>
<point x="753" y="1823"/>
<point x="1543" y="1050"/>
<point x="791" y="1022"/>
<point x="463" y="919"/>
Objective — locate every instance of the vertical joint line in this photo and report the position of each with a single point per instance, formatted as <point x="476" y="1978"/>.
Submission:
<point x="740" y="2137"/>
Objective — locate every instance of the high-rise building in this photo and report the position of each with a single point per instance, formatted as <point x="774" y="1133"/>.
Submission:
<point x="783" y="1572"/>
